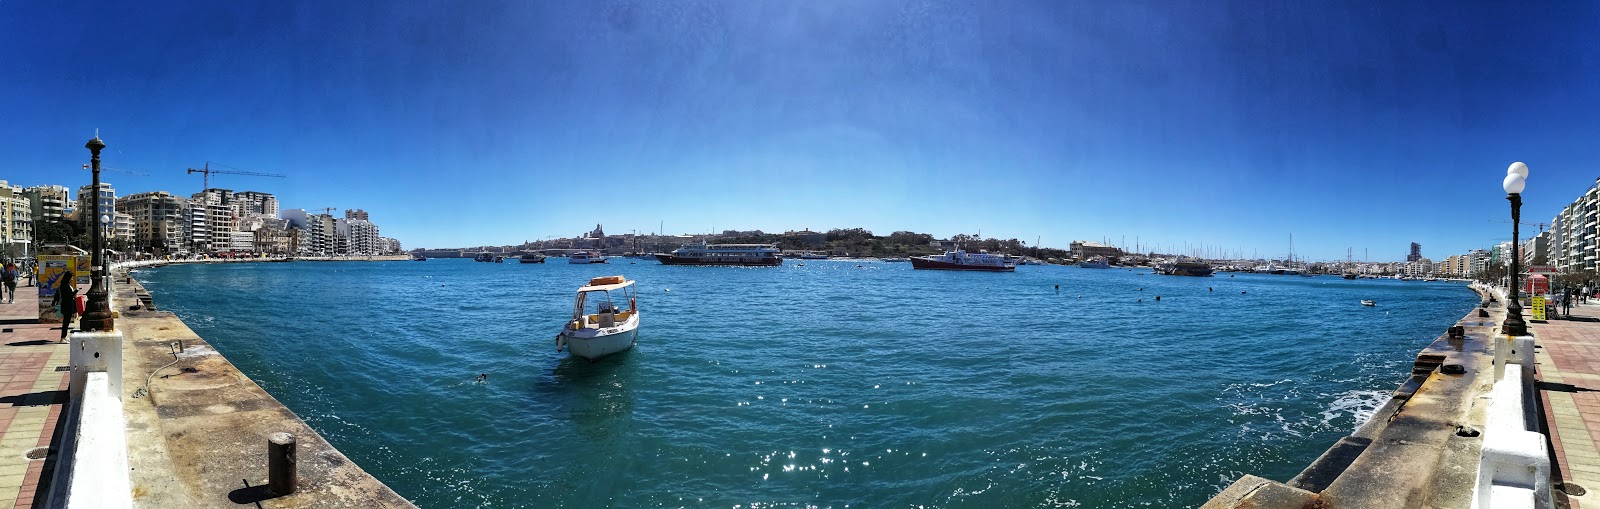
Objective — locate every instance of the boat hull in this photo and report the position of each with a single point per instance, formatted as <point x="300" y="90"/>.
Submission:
<point x="592" y="348"/>
<point x="593" y="344"/>
<point x="926" y="264"/>
<point x="667" y="259"/>
<point x="531" y="260"/>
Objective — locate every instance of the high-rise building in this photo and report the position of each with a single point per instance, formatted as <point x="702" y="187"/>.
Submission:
<point x="158" y="221"/>
<point x="356" y="214"/>
<point x="16" y="220"/>
<point x="196" y="230"/>
<point x="108" y="203"/>
<point x="253" y="203"/>
<point x="1416" y="253"/>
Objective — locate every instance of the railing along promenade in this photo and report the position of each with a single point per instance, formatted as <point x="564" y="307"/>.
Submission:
<point x="201" y="434"/>
<point x="1462" y="431"/>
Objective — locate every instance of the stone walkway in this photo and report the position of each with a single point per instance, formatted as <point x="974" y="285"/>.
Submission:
<point x="32" y="395"/>
<point x="1569" y="384"/>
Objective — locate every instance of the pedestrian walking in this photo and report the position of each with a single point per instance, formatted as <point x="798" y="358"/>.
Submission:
<point x="8" y="282"/>
<point x="1566" y="302"/>
<point x="67" y="299"/>
<point x="1583" y="295"/>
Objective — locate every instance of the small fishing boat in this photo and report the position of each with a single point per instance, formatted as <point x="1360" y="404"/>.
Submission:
<point x="420" y="258"/>
<point x="599" y="326"/>
<point x="1369" y="302"/>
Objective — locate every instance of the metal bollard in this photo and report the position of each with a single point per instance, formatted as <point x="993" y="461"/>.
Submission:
<point x="281" y="464"/>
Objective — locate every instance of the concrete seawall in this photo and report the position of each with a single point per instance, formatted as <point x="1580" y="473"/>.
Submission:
<point x="197" y="428"/>
<point x="1421" y="448"/>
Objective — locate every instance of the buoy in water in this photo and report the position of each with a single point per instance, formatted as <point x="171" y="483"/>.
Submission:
<point x="1158" y="298"/>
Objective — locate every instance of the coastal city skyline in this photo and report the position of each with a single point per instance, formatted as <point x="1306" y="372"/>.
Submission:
<point x="1364" y="127"/>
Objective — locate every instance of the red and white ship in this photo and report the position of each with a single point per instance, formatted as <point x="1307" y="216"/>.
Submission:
<point x="962" y="260"/>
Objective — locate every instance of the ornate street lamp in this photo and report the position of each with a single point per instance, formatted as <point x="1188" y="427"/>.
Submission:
<point x="97" y="313"/>
<point x="1516" y="179"/>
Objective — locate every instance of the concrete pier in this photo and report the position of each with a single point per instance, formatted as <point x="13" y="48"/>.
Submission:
<point x="198" y="432"/>
<point x="196" y="429"/>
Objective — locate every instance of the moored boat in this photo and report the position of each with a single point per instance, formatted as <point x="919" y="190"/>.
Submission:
<point x="1095" y="263"/>
<point x="599" y="326"/>
<point x="1369" y="303"/>
<point x="960" y="259"/>
<point x="585" y="257"/>
<point x="760" y="255"/>
<point x="531" y="258"/>
<point x="1194" y="269"/>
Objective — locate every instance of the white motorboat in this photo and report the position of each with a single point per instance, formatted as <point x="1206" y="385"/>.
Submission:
<point x="585" y="257"/>
<point x="1369" y="302"/>
<point x="599" y="325"/>
<point x="1095" y="263"/>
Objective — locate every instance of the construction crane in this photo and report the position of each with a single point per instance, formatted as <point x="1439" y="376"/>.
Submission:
<point x="207" y="171"/>
<point x="120" y="170"/>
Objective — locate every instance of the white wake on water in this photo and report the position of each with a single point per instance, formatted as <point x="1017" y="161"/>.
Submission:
<point x="1359" y="404"/>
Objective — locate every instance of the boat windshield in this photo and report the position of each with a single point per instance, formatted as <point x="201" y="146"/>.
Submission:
<point x="618" y="302"/>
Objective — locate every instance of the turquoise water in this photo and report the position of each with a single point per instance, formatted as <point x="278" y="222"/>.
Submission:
<point x="833" y="384"/>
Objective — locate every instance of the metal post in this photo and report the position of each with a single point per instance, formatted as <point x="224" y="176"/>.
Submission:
<point x="97" y="315"/>
<point x="281" y="464"/>
<point x="1513" y="325"/>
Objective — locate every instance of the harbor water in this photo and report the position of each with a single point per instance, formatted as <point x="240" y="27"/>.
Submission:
<point x="829" y="384"/>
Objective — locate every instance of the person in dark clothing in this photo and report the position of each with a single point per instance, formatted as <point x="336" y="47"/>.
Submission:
<point x="66" y="299"/>
<point x="1566" y="302"/>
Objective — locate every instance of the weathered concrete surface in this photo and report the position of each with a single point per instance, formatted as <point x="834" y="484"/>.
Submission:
<point x="198" y="436"/>
<point x="1410" y="454"/>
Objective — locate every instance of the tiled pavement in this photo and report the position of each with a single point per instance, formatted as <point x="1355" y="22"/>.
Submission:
<point x="1569" y="376"/>
<point x="32" y="395"/>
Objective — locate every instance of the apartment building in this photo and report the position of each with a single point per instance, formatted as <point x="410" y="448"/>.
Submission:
<point x="50" y="203"/>
<point x="158" y="221"/>
<point x="16" y="220"/>
<point x="254" y="203"/>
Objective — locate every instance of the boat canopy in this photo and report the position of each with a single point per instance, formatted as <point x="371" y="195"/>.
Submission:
<point x="606" y="288"/>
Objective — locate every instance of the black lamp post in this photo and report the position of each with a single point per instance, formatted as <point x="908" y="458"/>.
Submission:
<point x="97" y="313"/>
<point x="1516" y="179"/>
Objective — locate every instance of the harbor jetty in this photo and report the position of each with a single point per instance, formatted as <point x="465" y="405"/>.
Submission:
<point x="161" y="420"/>
<point x="1461" y="431"/>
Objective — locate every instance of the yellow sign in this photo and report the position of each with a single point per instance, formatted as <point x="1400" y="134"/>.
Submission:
<point x="51" y="269"/>
<point x="1538" y="307"/>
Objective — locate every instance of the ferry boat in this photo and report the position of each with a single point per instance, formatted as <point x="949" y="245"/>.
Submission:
<point x="531" y="258"/>
<point x="1095" y="263"/>
<point x="760" y="255"/>
<point x="1195" y="269"/>
<point x="585" y="257"/>
<point x="599" y="325"/>
<point x="960" y="259"/>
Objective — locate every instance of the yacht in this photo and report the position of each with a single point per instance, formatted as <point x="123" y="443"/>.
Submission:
<point x="531" y="258"/>
<point x="1097" y="262"/>
<point x="585" y="257"/>
<point x="960" y="259"/>
<point x="599" y="325"/>
<point x="760" y="255"/>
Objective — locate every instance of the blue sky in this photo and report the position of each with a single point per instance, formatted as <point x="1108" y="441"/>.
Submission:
<point x="1230" y="124"/>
